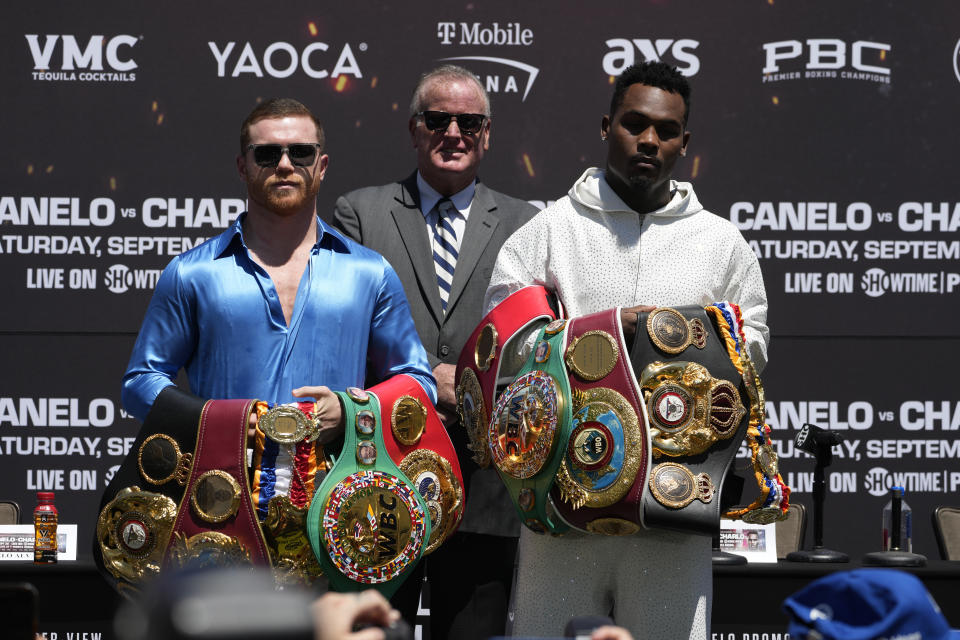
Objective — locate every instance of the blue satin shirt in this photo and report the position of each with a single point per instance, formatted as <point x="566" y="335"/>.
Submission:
<point x="216" y="313"/>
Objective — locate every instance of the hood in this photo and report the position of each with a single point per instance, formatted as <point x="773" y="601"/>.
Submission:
<point x="592" y="191"/>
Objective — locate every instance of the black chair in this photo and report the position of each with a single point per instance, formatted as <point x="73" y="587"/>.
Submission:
<point x="946" y="526"/>
<point x="791" y="531"/>
<point x="9" y="512"/>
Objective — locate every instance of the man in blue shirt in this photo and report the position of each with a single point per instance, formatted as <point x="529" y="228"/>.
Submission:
<point x="279" y="306"/>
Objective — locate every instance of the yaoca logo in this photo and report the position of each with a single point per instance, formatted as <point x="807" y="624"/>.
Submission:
<point x="497" y="80"/>
<point x="623" y="53"/>
<point x="82" y="61"/>
<point x="282" y="59"/>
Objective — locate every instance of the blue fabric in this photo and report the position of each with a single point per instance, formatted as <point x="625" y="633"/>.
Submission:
<point x="216" y="313"/>
<point x="866" y="604"/>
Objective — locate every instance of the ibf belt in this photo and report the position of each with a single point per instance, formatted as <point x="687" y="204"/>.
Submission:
<point x="602" y="478"/>
<point x="496" y="348"/>
<point x="698" y="409"/>
<point x="368" y="525"/>
<point x="418" y="444"/>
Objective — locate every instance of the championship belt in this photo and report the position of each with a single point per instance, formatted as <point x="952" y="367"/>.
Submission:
<point x="181" y="496"/>
<point x="699" y="406"/>
<point x="643" y="439"/>
<point x="217" y="526"/>
<point x="602" y="479"/>
<point x="496" y="348"/>
<point x="528" y="427"/>
<point x="418" y="443"/>
<point x="368" y="525"/>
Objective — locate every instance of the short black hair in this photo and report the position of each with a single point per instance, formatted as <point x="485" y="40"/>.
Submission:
<point x="653" y="74"/>
<point x="277" y="108"/>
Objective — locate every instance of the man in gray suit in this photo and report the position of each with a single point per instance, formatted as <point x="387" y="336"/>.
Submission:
<point x="441" y="230"/>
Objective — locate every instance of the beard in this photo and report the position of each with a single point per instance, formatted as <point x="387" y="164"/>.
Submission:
<point x="285" y="201"/>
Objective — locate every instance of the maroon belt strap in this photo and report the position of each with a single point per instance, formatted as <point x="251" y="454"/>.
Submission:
<point x="221" y="452"/>
<point x="609" y="416"/>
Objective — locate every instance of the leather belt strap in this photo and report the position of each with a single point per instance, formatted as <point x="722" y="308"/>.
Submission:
<point x="698" y="516"/>
<point x="221" y="449"/>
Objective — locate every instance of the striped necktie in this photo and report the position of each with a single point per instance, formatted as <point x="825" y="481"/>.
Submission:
<point x="446" y="248"/>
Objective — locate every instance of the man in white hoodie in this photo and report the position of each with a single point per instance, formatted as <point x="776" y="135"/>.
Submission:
<point x="629" y="236"/>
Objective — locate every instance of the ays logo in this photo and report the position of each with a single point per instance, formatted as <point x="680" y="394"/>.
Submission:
<point x="624" y="52"/>
<point x="98" y="59"/>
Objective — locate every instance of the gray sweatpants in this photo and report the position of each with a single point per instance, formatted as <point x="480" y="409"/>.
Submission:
<point x="656" y="583"/>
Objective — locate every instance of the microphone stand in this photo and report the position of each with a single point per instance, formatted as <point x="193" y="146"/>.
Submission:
<point x="819" y="553"/>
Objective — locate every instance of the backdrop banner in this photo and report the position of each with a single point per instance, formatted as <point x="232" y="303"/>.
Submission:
<point x="821" y="130"/>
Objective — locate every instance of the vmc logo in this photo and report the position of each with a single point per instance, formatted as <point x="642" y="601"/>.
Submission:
<point x="98" y="59"/>
<point x="679" y="53"/>
<point x="499" y="75"/>
<point x="818" y="58"/>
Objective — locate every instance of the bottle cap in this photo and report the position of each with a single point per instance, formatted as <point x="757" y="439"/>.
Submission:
<point x="897" y="491"/>
<point x="45" y="495"/>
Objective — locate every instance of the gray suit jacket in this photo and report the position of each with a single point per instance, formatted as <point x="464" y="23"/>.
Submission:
<point x="388" y="220"/>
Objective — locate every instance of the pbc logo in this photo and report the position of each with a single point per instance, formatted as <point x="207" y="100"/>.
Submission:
<point x="82" y="61"/>
<point x="282" y="59"/>
<point x="826" y="58"/>
<point x="623" y="53"/>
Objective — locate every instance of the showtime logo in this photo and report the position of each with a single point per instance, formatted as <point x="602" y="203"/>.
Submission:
<point x="498" y="75"/>
<point x="282" y="60"/>
<point x="623" y="53"/>
<point x="817" y="58"/>
<point x="78" y="60"/>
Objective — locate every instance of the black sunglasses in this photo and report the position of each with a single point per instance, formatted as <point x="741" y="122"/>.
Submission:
<point x="439" y="121"/>
<point x="301" y="154"/>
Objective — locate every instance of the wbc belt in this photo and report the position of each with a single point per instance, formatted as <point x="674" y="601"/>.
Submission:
<point x="418" y="444"/>
<point x="601" y="481"/>
<point x="528" y="426"/>
<point x="368" y="525"/>
<point x="495" y="349"/>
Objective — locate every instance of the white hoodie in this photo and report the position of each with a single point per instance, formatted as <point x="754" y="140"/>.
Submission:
<point x="597" y="253"/>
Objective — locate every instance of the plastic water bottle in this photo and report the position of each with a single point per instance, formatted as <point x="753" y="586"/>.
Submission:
<point x="897" y="538"/>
